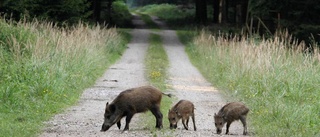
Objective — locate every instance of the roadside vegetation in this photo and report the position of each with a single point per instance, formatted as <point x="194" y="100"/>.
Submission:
<point x="276" y="78"/>
<point x="121" y="16"/>
<point x="44" y="69"/>
<point x="175" y="17"/>
<point x="148" y="20"/>
<point x="157" y="64"/>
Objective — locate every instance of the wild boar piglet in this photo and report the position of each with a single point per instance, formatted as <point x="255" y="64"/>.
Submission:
<point x="229" y="113"/>
<point x="182" y="110"/>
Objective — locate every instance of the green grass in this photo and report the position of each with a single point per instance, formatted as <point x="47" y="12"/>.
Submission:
<point x="182" y="18"/>
<point x="280" y="85"/>
<point x="44" y="69"/>
<point x="157" y="64"/>
<point x="147" y="19"/>
<point x="121" y="16"/>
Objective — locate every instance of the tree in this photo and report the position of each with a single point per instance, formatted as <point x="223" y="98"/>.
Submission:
<point x="69" y="11"/>
<point x="216" y="10"/>
<point x="201" y="11"/>
<point x="300" y="17"/>
<point x="96" y="8"/>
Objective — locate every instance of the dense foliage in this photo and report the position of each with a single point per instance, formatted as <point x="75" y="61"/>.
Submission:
<point x="121" y="16"/>
<point x="183" y="16"/>
<point x="300" y="17"/>
<point x="70" y="11"/>
<point x="67" y="12"/>
<point x="140" y="3"/>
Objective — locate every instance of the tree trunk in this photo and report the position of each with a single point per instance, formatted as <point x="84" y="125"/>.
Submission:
<point x="96" y="6"/>
<point x="201" y="11"/>
<point x="216" y="11"/>
<point x="224" y="11"/>
<point x="109" y="11"/>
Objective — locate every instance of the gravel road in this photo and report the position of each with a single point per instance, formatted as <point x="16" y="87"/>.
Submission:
<point x="86" y="117"/>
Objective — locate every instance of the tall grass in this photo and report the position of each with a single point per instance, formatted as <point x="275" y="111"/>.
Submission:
<point x="157" y="64"/>
<point x="276" y="79"/>
<point x="44" y="69"/>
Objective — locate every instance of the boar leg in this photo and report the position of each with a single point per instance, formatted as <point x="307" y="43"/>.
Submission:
<point x="187" y="122"/>
<point x="184" y="123"/>
<point x="128" y="119"/>
<point x="119" y="124"/>
<point x="228" y="125"/>
<point x="157" y="113"/>
<point x="194" y="124"/>
<point x="244" y="123"/>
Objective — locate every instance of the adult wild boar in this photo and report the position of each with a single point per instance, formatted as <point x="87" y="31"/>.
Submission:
<point x="229" y="113"/>
<point x="183" y="109"/>
<point x="131" y="101"/>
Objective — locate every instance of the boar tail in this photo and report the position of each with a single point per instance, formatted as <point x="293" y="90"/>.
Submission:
<point x="169" y="95"/>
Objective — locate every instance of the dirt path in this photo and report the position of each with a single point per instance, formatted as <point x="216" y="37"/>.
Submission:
<point x="85" y="119"/>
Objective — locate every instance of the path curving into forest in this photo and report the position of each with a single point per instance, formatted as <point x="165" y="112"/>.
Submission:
<point x="85" y="118"/>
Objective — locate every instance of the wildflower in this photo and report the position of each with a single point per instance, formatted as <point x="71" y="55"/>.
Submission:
<point x="155" y="74"/>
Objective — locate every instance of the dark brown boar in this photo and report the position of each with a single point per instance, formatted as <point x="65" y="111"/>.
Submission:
<point x="131" y="101"/>
<point x="183" y="109"/>
<point x="229" y="113"/>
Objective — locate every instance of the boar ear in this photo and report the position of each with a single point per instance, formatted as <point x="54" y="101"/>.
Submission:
<point x="107" y="104"/>
<point x="175" y="110"/>
<point x="224" y="116"/>
<point x="178" y="113"/>
<point x="112" y="108"/>
<point x="215" y="114"/>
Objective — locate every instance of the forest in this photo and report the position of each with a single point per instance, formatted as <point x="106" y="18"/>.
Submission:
<point x="301" y="18"/>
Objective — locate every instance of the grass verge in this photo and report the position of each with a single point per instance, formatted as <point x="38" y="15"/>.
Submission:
<point x="157" y="64"/>
<point x="275" y="78"/>
<point x="44" y="69"/>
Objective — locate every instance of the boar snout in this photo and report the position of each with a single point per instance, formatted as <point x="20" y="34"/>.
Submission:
<point x="104" y="128"/>
<point x="173" y="126"/>
<point x="219" y="131"/>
